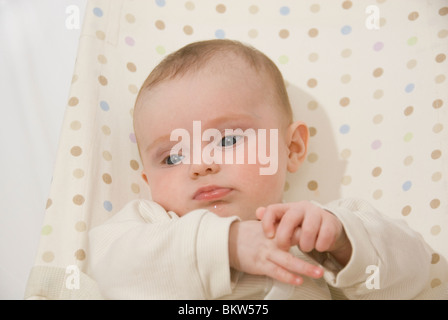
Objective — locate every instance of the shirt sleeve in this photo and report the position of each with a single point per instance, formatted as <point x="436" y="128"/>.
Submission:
<point x="389" y="259"/>
<point x="144" y="252"/>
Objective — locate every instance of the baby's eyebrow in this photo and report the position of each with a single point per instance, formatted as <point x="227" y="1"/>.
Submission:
<point x="161" y="142"/>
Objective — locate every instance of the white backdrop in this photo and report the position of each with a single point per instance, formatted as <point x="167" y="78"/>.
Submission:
<point x="38" y="46"/>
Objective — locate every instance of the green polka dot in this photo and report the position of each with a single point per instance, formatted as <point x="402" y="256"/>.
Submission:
<point x="160" y="50"/>
<point x="283" y="59"/>
<point x="46" y="230"/>
<point x="412" y="41"/>
<point x="408" y="137"/>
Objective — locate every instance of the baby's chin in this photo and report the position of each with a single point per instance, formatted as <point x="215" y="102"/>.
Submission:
<point x="226" y="209"/>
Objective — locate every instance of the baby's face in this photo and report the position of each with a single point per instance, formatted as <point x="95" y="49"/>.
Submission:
<point x="238" y="98"/>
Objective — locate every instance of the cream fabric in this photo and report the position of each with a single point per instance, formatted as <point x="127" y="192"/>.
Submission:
<point x="375" y="101"/>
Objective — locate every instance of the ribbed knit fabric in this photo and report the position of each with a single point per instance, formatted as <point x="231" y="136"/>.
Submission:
<point x="144" y="252"/>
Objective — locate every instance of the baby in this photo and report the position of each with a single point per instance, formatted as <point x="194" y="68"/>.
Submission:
<point x="216" y="137"/>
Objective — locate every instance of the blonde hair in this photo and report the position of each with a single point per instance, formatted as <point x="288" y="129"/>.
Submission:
<point x="193" y="56"/>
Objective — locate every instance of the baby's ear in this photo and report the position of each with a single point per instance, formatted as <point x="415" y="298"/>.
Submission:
<point x="297" y="138"/>
<point x="144" y="177"/>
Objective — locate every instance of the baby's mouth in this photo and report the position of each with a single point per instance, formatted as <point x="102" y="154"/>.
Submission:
<point x="211" y="193"/>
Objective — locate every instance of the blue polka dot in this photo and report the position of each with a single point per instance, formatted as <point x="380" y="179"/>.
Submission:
<point x="220" y="34"/>
<point x="104" y="105"/>
<point x="98" y="12"/>
<point x="346" y="29"/>
<point x="344" y="129"/>
<point x="160" y="3"/>
<point x="407" y="185"/>
<point x="284" y="11"/>
<point x="107" y="205"/>
<point x="409" y="88"/>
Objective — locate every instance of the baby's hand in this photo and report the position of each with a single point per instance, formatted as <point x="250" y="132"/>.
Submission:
<point x="251" y="252"/>
<point x="306" y="225"/>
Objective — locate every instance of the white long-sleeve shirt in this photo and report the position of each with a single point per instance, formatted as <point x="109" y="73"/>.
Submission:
<point x="144" y="252"/>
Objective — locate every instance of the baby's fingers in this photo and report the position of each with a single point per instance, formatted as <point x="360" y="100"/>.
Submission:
<point x="270" y="216"/>
<point x="288" y="268"/>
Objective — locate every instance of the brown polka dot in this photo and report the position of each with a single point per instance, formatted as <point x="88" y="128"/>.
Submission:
<point x="73" y="101"/>
<point x="312" y="83"/>
<point x="346" y="53"/>
<point x="344" y="101"/>
<point x="48" y="256"/>
<point x="346" y="180"/>
<point x="102" y="59"/>
<point x="312" y="105"/>
<point x="313" y="32"/>
<point x="435" y="230"/>
<point x="313" y="157"/>
<point x="377" y="72"/>
<point x="107" y="178"/>
<point x="313" y="57"/>
<point x="160" y="24"/>
<point x="102" y="80"/>
<point x="413" y="16"/>
<point x="437" y="127"/>
<point x="436" y="176"/>
<point x="75" y="125"/>
<point x="283" y="34"/>
<point x="188" y="30"/>
<point x="315" y="8"/>
<point x="411" y="64"/>
<point x="313" y="131"/>
<point x="377" y="194"/>
<point x="100" y="35"/>
<point x="377" y="119"/>
<point x="131" y="67"/>
<point x="253" y="33"/>
<point x="107" y="156"/>
<point x="435" y="258"/>
<point x="106" y="130"/>
<point x="442" y="33"/>
<point x="133" y="89"/>
<point x="135" y="188"/>
<point x="130" y="18"/>
<point x="78" y="173"/>
<point x="189" y="5"/>
<point x="80" y="254"/>
<point x="435" y="283"/>
<point x="439" y="78"/>
<point x="408" y="160"/>
<point x="436" y="154"/>
<point x="376" y="172"/>
<point x="437" y="103"/>
<point x="286" y="186"/>
<point x="312" y="185"/>
<point x="80" y="226"/>
<point x="435" y="203"/>
<point x="220" y="8"/>
<point x="134" y="165"/>
<point x="347" y="5"/>
<point x="49" y="203"/>
<point x="378" y="94"/>
<point x="78" y="199"/>
<point x="443" y="11"/>
<point x="440" y="57"/>
<point x="406" y="210"/>
<point x="346" y="78"/>
<point x="253" y="9"/>
<point x="408" y="111"/>
<point x="345" y="154"/>
<point x="76" y="151"/>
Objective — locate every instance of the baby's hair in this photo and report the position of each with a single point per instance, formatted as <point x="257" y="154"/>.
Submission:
<point x="194" y="56"/>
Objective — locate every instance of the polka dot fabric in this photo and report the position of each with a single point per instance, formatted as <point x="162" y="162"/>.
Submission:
<point x="371" y="85"/>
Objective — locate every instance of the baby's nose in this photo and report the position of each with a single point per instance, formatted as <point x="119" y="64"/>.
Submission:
<point x="203" y="169"/>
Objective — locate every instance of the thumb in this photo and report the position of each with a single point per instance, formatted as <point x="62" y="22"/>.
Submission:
<point x="259" y="213"/>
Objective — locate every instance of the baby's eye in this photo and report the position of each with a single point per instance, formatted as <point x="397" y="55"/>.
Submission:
<point x="229" y="140"/>
<point x="173" y="159"/>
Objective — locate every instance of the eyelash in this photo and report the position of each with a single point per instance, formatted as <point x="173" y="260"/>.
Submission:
<point x="179" y="159"/>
